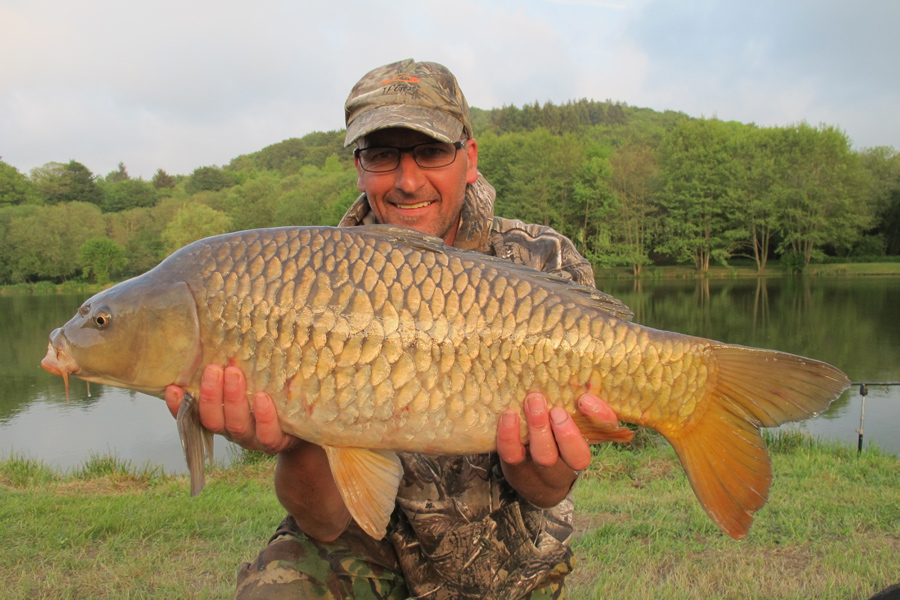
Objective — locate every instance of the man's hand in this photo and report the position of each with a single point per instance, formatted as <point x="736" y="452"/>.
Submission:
<point x="224" y="409"/>
<point x="543" y="472"/>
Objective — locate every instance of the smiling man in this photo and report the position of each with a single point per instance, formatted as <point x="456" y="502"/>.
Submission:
<point x="493" y="525"/>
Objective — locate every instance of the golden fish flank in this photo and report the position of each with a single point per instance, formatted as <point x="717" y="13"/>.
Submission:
<point x="379" y="339"/>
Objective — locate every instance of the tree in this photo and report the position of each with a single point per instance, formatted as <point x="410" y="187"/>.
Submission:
<point x="101" y="257"/>
<point x="696" y="176"/>
<point x="310" y="197"/>
<point x="120" y="174"/>
<point x="533" y="173"/>
<point x="162" y="180"/>
<point x="72" y="182"/>
<point x="15" y="188"/>
<point x="208" y="179"/>
<point x="634" y="180"/>
<point x="755" y="189"/>
<point x="193" y="222"/>
<point x="46" y="240"/>
<point x="128" y="193"/>
<point x="883" y="167"/>
<point x="822" y="191"/>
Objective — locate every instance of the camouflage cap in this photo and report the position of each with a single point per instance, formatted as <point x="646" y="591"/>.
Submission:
<point x="423" y="96"/>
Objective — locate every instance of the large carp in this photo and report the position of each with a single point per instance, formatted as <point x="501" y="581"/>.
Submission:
<point x="374" y="340"/>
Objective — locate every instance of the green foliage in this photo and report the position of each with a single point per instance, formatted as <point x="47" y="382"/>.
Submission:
<point x="630" y="186"/>
<point x="162" y="180"/>
<point x="120" y="174"/>
<point x="43" y="243"/>
<point x="101" y="257"/>
<point x="193" y="222"/>
<point x="822" y="189"/>
<point x="15" y="188"/>
<point x="696" y="203"/>
<point x="208" y="179"/>
<point x="58" y="183"/>
<point x="125" y="194"/>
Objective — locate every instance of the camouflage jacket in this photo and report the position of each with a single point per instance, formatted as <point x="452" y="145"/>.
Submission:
<point x="460" y="530"/>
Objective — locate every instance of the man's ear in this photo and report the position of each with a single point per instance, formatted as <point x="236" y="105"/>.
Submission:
<point x="359" y="176"/>
<point x="472" y="156"/>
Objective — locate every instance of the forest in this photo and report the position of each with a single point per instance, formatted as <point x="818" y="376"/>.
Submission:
<point x="630" y="186"/>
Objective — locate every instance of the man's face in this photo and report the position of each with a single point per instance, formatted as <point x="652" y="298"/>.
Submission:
<point x="428" y="200"/>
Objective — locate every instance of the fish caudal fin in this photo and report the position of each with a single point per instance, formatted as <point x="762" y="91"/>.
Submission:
<point x="368" y="481"/>
<point x="196" y="442"/>
<point x="720" y="446"/>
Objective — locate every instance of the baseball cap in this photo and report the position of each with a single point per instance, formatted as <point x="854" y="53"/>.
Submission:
<point x="423" y="96"/>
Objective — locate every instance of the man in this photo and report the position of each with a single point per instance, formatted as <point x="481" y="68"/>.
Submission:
<point x="485" y="526"/>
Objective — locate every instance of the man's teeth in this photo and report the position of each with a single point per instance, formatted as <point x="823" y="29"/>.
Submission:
<point x="411" y="206"/>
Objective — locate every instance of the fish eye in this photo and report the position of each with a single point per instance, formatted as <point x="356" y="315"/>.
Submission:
<point x="102" y="319"/>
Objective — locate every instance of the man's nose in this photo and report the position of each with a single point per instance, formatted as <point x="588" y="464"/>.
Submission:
<point x="409" y="174"/>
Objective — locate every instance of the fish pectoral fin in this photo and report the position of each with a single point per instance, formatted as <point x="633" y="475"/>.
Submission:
<point x="596" y="432"/>
<point x="720" y="446"/>
<point x="368" y="481"/>
<point x="196" y="441"/>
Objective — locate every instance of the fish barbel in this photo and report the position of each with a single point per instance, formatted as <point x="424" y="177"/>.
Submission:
<point x="379" y="339"/>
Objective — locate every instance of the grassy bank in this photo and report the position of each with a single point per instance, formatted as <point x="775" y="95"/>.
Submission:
<point x="873" y="269"/>
<point x="831" y="529"/>
<point x="878" y="269"/>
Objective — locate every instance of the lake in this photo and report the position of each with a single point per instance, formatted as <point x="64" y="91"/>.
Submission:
<point x="852" y="323"/>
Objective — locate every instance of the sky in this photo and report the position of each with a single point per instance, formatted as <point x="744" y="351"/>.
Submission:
<point x="181" y="84"/>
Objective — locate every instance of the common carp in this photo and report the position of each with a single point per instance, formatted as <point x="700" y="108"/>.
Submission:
<point x="379" y="339"/>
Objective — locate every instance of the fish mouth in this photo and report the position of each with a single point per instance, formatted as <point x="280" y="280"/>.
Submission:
<point x="59" y="362"/>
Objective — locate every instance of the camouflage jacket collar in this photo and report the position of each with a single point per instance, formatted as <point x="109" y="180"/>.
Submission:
<point x="474" y="223"/>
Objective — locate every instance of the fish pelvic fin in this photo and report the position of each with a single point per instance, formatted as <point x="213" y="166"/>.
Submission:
<point x="368" y="481"/>
<point x="196" y="441"/>
<point x="721" y="448"/>
<point x="597" y="433"/>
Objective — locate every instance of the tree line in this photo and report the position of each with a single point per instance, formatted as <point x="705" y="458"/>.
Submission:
<point x="630" y="186"/>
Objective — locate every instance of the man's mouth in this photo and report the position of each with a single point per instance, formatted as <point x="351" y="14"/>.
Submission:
<point x="413" y="206"/>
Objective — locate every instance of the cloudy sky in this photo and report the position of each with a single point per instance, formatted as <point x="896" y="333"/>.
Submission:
<point x="179" y="84"/>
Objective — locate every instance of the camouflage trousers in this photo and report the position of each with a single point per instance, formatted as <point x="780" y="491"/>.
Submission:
<point x="353" y="567"/>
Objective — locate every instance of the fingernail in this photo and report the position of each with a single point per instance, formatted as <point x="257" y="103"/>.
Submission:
<point x="588" y="404"/>
<point x="536" y="405"/>
<point x="559" y="415"/>
<point x="231" y="380"/>
<point x="509" y="419"/>
<point x="211" y="375"/>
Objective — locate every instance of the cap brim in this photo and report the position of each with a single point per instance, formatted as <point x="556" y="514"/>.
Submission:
<point x="433" y="123"/>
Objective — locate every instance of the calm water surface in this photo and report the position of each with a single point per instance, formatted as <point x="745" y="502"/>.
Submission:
<point x="853" y="323"/>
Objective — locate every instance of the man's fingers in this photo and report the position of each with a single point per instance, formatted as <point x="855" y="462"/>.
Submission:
<point x="268" y="429"/>
<point x="173" y="396"/>
<point x="542" y="444"/>
<point x="239" y="421"/>
<point x="509" y="439"/>
<point x="596" y="409"/>
<point x="573" y="448"/>
<point x="210" y="403"/>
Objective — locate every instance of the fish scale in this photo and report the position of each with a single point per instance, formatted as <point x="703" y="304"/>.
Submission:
<point x="375" y="340"/>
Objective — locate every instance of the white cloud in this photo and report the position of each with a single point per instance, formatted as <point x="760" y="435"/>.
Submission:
<point x="182" y="84"/>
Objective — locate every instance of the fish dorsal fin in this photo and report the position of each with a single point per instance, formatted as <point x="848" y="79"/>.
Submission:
<point x="368" y="482"/>
<point x="410" y="237"/>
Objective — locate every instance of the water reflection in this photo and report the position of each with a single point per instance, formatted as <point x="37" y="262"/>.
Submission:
<point x="852" y="323"/>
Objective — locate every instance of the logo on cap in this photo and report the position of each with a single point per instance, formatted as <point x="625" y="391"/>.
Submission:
<point x="403" y="79"/>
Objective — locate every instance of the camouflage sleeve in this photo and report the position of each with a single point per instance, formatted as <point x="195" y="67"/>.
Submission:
<point x="539" y="247"/>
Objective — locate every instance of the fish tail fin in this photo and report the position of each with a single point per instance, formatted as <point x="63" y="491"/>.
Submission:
<point x="196" y="441"/>
<point x="720" y="446"/>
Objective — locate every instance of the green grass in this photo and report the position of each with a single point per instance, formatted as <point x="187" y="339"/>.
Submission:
<point x="742" y="270"/>
<point x="831" y="529"/>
